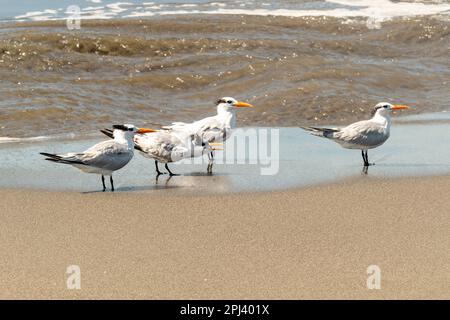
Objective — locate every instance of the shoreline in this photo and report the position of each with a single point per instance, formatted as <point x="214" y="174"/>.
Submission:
<point x="292" y="244"/>
<point x="279" y="158"/>
<point x="425" y="117"/>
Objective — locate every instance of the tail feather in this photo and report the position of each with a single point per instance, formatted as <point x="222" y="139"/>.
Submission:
<point x="320" y="132"/>
<point x="51" y="155"/>
<point x="59" y="159"/>
<point x="108" y="133"/>
<point x="137" y="147"/>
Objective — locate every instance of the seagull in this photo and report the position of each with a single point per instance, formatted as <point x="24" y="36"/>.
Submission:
<point x="362" y="135"/>
<point x="215" y="129"/>
<point x="168" y="146"/>
<point x="105" y="157"/>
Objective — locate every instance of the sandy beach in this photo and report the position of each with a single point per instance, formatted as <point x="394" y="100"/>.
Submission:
<point x="304" y="243"/>
<point x="283" y="214"/>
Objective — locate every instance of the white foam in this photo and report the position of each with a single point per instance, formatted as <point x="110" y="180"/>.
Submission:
<point x="92" y="8"/>
<point x="376" y="11"/>
<point x="37" y="14"/>
<point x="18" y="140"/>
<point x="117" y="7"/>
<point x="388" y="9"/>
<point x="218" y="4"/>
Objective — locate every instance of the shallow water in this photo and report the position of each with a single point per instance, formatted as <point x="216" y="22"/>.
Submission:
<point x="417" y="147"/>
<point x="296" y="68"/>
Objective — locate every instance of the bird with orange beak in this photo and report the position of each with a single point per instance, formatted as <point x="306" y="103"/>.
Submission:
<point x="105" y="157"/>
<point x="362" y="135"/>
<point x="215" y="129"/>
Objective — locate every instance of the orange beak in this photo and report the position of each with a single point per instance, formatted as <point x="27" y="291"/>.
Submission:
<point x="399" y="107"/>
<point x="145" y="130"/>
<point x="240" y="104"/>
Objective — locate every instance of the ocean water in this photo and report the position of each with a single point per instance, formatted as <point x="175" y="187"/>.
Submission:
<point x="107" y="9"/>
<point x="155" y="62"/>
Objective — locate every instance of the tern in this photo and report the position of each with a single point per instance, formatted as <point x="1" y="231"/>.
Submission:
<point x="105" y="157"/>
<point x="362" y="135"/>
<point x="168" y="146"/>
<point x="215" y="129"/>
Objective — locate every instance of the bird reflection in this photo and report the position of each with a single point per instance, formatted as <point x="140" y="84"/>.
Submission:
<point x="166" y="182"/>
<point x="365" y="170"/>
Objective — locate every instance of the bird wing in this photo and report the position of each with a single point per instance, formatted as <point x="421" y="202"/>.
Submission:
<point x="210" y="129"/>
<point x="321" y="132"/>
<point x="214" y="131"/>
<point x="158" y="145"/>
<point x="108" y="155"/>
<point x="181" y="126"/>
<point x="362" y="133"/>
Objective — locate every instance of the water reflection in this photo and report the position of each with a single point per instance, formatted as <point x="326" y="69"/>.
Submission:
<point x="304" y="161"/>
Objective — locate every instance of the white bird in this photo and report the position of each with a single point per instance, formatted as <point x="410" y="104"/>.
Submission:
<point x="213" y="129"/>
<point x="362" y="135"/>
<point x="168" y="146"/>
<point x="105" y="157"/>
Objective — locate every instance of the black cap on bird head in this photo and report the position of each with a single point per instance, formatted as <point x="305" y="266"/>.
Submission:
<point x="123" y="127"/>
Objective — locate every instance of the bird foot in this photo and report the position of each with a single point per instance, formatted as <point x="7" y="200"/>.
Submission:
<point x="174" y="174"/>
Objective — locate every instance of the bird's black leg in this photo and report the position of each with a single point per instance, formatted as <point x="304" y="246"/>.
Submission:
<point x="157" y="169"/>
<point x="170" y="172"/>
<point x="112" y="183"/>
<point x="366" y="158"/>
<point x="211" y="162"/>
<point x="103" y="181"/>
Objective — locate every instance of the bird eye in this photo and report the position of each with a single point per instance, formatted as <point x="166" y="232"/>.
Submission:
<point x="229" y="102"/>
<point x="386" y="106"/>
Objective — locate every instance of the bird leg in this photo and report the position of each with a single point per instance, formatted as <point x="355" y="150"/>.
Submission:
<point x="365" y="157"/>
<point x="211" y="162"/>
<point x="112" y="183"/>
<point x="157" y="169"/>
<point x="170" y="172"/>
<point x="103" y="182"/>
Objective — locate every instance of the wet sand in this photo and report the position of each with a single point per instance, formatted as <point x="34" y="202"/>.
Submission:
<point x="293" y="159"/>
<point x="313" y="242"/>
